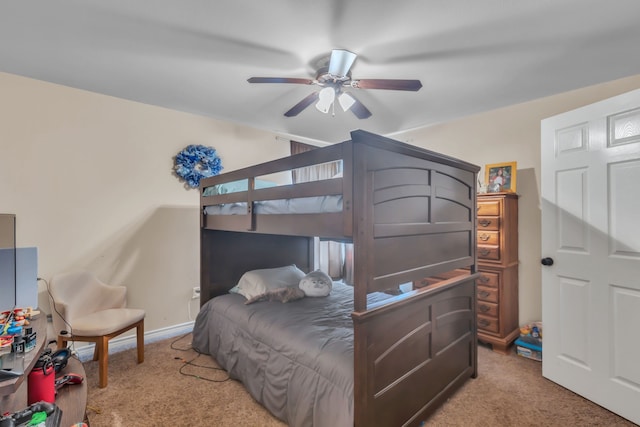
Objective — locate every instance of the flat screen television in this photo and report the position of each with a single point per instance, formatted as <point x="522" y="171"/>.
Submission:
<point x="8" y="276"/>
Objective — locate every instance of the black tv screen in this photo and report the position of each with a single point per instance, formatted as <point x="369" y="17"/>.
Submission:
<point x="7" y="261"/>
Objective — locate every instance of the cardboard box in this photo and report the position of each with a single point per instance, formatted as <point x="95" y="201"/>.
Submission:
<point x="528" y="350"/>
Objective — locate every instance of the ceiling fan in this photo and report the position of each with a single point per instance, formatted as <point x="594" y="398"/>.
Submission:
<point x="334" y="79"/>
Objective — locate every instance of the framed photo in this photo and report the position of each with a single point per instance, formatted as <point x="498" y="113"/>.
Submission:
<point x="501" y="177"/>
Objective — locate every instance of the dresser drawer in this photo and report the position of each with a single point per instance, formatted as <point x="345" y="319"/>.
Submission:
<point x="489" y="223"/>
<point x="490" y="207"/>
<point x="488" y="237"/>
<point x="489" y="252"/>
<point x="487" y="294"/>
<point x="489" y="324"/>
<point x="488" y="279"/>
<point x="488" y="308"/>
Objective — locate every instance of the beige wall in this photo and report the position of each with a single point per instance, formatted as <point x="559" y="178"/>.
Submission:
<point x="89" y="178"/>
<point x="509" y="134"/>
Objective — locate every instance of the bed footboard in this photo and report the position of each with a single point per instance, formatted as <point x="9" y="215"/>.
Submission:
<point x="412" y="354"/>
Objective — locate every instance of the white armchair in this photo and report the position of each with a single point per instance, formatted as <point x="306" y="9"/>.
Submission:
<point x="86" y="309"/>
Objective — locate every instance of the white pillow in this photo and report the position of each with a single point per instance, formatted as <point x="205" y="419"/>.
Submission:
<point x="257" y="282"/>
<point x="316" y="284"/>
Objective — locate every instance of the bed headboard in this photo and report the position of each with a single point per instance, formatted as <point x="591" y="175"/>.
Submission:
<point x="227" y="255"/>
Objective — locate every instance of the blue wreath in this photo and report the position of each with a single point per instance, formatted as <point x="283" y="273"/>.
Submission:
<point x="196" y="162"/>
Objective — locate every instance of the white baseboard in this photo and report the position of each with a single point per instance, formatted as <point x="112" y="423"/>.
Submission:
<point x="119" y="344"/>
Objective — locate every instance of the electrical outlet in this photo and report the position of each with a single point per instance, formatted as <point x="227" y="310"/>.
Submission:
<point x="196" y="292"/>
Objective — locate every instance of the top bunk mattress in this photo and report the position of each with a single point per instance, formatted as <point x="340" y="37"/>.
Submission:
<point x="301" y="205"/>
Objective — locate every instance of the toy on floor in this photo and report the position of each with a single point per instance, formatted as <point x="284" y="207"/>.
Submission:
<point x="68" y="379"/>
<point x="529" y="344"/>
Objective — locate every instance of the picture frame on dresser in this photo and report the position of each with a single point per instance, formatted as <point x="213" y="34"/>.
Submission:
<point x="501" y="177"/>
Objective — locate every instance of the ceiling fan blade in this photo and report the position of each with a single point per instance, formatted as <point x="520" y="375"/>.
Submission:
<point x="280" y="80"/>
<point x="297" y="109"/>
<point x="341" y="62"/>
<point x="359" y="109"/>
<point x="390" y="84"/>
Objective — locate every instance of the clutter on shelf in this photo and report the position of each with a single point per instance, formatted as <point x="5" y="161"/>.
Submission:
<point x="16" y="334"/>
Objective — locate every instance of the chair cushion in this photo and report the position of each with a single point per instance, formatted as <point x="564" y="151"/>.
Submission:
<point x="106" y="321"/>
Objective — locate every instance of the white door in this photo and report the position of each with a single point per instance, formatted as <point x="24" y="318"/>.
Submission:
<point x="591" y="232"/>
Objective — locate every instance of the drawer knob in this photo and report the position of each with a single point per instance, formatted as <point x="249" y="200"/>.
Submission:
<point x="484" y="252"/>
<point x="485" y="222"/>
<point x="483" y="322"/>
<point x="483" y="279"/>
<point x="484" y="308"/>
<point x="483" y="294"/>
<point x="484" y="237"/>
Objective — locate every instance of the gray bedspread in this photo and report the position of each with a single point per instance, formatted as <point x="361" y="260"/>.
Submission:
<point x="295" y="358"/>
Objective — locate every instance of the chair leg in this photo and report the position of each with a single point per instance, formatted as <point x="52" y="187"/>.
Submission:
<point x="96" y="352"/>
<point x="103" y="352"/>
<point x="140" y="341"/>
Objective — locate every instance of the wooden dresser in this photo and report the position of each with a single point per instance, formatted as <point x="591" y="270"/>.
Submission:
<point x="497" y="253"/>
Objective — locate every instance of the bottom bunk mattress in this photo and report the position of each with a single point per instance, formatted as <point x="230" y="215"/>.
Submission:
<point x="296" y="359"/>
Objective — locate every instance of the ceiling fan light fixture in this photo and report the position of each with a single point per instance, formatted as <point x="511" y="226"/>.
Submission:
<point x="325" y="99"/>
<point x="332" y="78"/>
<point x="341" y="62"/>
<point x="346" y="101"/>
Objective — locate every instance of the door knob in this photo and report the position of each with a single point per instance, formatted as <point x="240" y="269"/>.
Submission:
<point x="547" y="261"/>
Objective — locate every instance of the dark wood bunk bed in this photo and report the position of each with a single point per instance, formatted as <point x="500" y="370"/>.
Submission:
<point x="410" y="214"/>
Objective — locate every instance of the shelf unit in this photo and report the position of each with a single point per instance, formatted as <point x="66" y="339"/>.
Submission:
<point x="497" y="286"/>
<point x="71" y="399"/>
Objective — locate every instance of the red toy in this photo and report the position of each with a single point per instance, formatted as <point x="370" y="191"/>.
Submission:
<point x="68" y="379"/>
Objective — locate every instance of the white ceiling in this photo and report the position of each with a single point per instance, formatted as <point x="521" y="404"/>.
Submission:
<point x="196" y="55"/>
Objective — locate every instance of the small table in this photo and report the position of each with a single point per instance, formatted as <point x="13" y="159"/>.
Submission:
<point x="70" y="398"/>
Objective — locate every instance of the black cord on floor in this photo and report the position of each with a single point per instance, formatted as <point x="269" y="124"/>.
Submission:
<point x="178" y="339"/>
<point x="190" y="362"/>
<point x="52" y="303"/>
